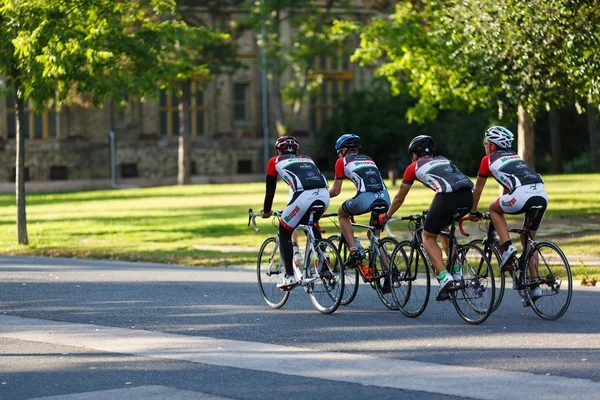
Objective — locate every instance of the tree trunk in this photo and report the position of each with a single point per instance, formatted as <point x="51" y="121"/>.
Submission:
<point x="22" y="237"/>
<point x="592" y="112"/>
<point x="555" y="142"/>
<point x="280" y="121"/>
<point x="526" y="137"/>
<point x="183" y="162"/>
<point x="282" y="124"/>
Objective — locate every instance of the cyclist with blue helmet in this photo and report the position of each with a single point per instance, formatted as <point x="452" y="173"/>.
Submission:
<point x="371" y="196"/>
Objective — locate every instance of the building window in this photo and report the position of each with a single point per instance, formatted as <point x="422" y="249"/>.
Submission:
<point x="169" y="113"/>
<point x="337" y="83"/>
<point x="240" y="102"/>
<point x="40" y="126"/>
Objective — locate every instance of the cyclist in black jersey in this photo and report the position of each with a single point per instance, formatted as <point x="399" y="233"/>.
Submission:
<point x="453" y="190"/>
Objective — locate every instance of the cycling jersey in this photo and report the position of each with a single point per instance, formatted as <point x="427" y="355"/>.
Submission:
<point x="508" y="169"/>
<point x="361" y="170"/>
<point x="437" y="173"/>
<point x="298" y="171"/>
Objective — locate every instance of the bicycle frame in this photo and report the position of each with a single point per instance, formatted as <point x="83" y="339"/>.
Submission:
<point x="492" y="240"/>
<point x="374" y="240"/>
<point x="310" y="246"/>
<point x="416" y="240"/>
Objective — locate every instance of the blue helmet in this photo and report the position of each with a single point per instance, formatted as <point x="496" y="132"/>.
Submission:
<point x="348" y="141"/>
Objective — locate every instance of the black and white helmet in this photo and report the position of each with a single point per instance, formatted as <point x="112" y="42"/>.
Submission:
<point x="500" y="136"/>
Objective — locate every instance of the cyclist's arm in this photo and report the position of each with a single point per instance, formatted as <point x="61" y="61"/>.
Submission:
<point x="398" y="199"/>
<point x="336" y="188"/>
<point x="482" y="175"/>
<point x="479" y="185"/>
<point x="338" y="178"/>
<point x="270" y="193"/>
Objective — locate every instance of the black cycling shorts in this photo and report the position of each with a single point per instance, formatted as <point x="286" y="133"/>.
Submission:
<point x="442" y="207"/>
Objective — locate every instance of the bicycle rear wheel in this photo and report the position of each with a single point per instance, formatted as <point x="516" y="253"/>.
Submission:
<point x="381" y="271"/>
<point x="411" y="282"/>
<point x="493" y="256"/>
<point x="553" y="274"/>
<point x="269" y="270"/>
<point x="473" y="295"/>
<point x="350" y="274"/>
<point x="325" y="264"/>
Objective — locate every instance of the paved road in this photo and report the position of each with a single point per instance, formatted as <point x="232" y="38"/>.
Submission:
<point x="81" y="329"/>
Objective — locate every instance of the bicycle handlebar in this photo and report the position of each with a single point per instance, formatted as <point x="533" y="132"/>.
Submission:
<point x="252" y="217"/>
<point x="470" y="218"/>
<point x="415" y="217"/>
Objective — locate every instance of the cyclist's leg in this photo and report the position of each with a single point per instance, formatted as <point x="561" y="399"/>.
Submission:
<point x="440" y="212"/>
<point x="433" y="251"/>
<point x="506" y="204"/>
<point x="346" y="227"/>
<point x="533" y="223"/>
<point x="357" y="205"/>
<point x="291" y="218"/>
<point x="285" y="247"/>
<point x="497" y="217"/>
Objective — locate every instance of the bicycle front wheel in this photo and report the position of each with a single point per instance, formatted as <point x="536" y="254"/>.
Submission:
<point x="548" y="267"/>
<point x="350" y="274"/>
<point x="381" y="271"/>
<point x="269" y="270"/>
<point x="473" y="295"/>
<point x="411" y="282"/>
<point x="493" y="256"/>
<point x="327" y="270"/>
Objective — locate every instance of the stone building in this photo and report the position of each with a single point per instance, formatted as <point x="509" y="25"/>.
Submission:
<point x="72" y="144"/>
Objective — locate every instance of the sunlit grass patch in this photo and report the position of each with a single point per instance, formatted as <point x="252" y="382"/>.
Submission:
<point x="167" y="224"/>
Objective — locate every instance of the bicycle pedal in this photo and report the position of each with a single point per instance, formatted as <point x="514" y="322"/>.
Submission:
<point x="443" y="296"/>
<point x="289" y="287"/>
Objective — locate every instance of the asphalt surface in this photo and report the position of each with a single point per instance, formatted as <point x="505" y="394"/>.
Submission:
<point x="225" y="304"/>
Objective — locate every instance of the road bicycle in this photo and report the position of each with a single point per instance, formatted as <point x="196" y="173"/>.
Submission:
<point x="545" y="265"/>
<point x="321" y="274"/>
<point x="472" y="294"/>
<point x="373" y="269"/>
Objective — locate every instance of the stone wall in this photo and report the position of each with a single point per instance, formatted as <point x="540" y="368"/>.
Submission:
<point x="153" y="159"/>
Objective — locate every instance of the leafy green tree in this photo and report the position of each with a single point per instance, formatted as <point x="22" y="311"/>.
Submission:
<point x="52" y="50"/>
<point x="515" y="56"/>
<point x="293" y="33"/>
<point x="377" y="116"/>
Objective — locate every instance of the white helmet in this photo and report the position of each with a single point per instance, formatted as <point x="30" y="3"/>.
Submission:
<point x="500" y="136"/>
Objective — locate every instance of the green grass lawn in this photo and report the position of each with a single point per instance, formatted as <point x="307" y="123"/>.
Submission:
<point x="168" y="224"/>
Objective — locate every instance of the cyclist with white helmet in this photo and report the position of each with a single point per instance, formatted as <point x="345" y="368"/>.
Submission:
<point x="308" y="187"/>
<point x="452" y="190"/>
<point x="371" y="196"/>
<point x="523" y="188"/>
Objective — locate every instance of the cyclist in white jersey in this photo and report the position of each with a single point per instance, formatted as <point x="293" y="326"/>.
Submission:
<point x="308" y="187"/>
<point x="523" y="188"/>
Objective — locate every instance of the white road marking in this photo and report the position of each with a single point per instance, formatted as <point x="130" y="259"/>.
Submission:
<point x="454" y="380"/>
<point x="137" y="393"/>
